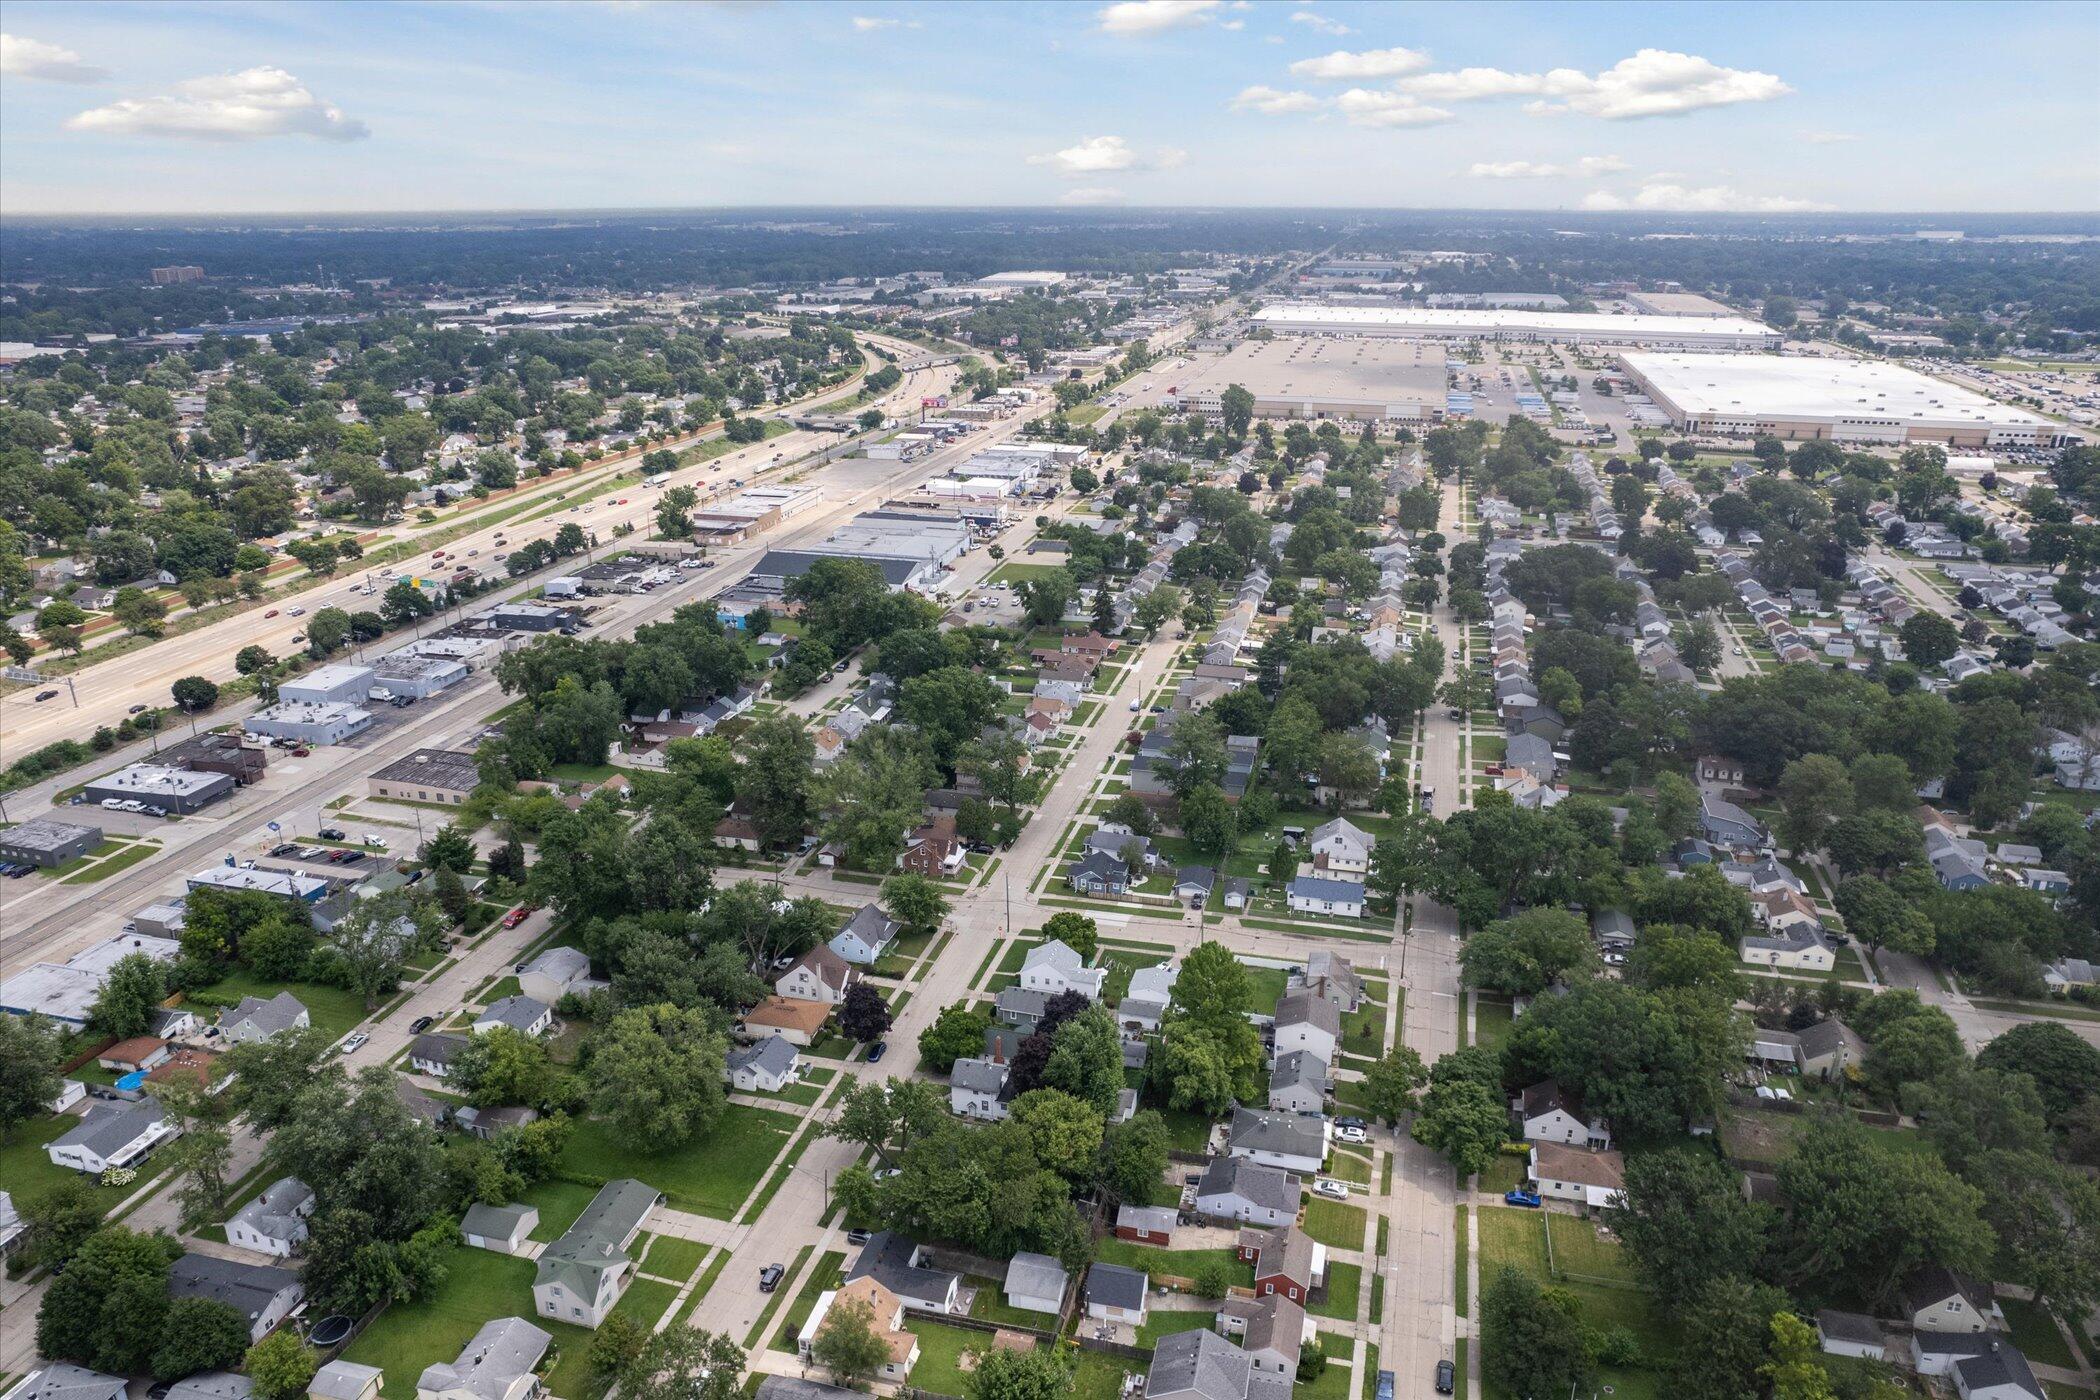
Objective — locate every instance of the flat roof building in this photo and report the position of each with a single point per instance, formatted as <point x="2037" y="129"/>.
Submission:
<point x="218" y="753"/>
<point x="310" y="723"/>
<point x="428" y="775"/>
<point x="336" y="684"/>
<point x="1799" y="397"/>
<point x="1361" y="380"/>
<point x="417" y="676"/>
<point x="66" y="991"/>
<point x="177" y="789"/>
<point x="1562" y="327"/>
<point x="47" y="842"/>
<point x="283" y="883"/>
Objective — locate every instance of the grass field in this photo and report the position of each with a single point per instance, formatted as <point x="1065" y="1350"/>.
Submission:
<point x="2035" y="1333"/>
<point x="1165" y="1322"/>
<point x="712" y="1176"/>
<point x="330" y="1008"/>
<point x="1516" y="1238"/>
<point x="671" y="1257"/>
<point x="559" y="1203"/>
<point x="1335" y="1224"/>
<point x="940" y="1355"/>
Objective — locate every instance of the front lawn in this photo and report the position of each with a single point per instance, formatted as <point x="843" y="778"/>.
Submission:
<point x="671" y="1257"/>
<point x="1335" y="1223"/>
<point x="29" y="1171"/>
<point x="1491" y="1023"/>
<point x="712" y="1176"/>
<point x="330" y="1008"/>
<point x="1344" y="1283"/>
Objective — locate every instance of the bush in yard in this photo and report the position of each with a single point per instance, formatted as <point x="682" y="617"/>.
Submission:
<point x="281" y="1366"/>
<point x="1213" y="1278"/>
<point x="1312" y="1364"/>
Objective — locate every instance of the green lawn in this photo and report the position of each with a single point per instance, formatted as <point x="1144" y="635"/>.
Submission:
<point x="824" y="1276"/>
<point x="559" y="1203"/>
<point x="671" y="1257"/>
<point x="29" y="1173"/>
<point x="1514" y="1237"/>
<point x="1335" y="1224"/>
<point x="1577" y="1250"/>
<point x="712" y="1176"/>
<point x="1178" y="1263"/>
<point x="1504" y="1172"/>
<point x="990" y="1305"/>
<point x="331" y="1008"/>
<point x="1161" y="1323"/>
<point x="1344" y="1282"/>
<point x="477" y="1286"/>
<point x="1345" y="1165"/>
<point x="1097" y="1375"/>
<point x="2035" y="1333"/>
<point x="1492" y="1023"/>
<point x="940" y="1355"/>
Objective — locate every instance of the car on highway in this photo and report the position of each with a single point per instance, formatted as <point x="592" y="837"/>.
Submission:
<point x="136" y="710"/>
<point x="1518" y="1196"/>
<point x="1331" y="1189"/>
<point x="44" y="695"/>
<point x="357" y="1039"/>
<point x="295" y="612"/>
<point x="271" y="613"/>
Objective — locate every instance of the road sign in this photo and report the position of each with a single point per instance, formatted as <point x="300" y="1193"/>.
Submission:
<point x="22" y="673"/>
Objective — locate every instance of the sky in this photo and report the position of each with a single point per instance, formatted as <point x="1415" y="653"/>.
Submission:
<point x="206" y="107"/>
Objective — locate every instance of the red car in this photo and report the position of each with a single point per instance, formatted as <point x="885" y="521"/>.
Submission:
<point x="271" y="613"/>
<point x="515" y="917"/>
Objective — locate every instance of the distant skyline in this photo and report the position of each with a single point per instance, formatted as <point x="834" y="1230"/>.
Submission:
<point x="548" y="104"/>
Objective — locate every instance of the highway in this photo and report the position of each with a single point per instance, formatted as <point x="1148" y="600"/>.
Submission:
<point x="108" y="690"/>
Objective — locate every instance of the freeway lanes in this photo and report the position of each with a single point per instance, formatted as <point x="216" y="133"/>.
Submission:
<point x="109" y="689"/>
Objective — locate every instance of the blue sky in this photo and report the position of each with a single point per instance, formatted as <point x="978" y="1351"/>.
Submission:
<point x="537" y="104"/>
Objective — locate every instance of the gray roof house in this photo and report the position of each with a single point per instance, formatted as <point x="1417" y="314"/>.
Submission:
<point x="1288" y="1140"/>
<point x="1725" y="824"/>
<point x="1201" y="1365"/>
<point x="1298" y="1082"/>
<point x="496" y="1365"/>
<point x="259" y="1293"/>
<point x="275" y="1221"/>
<point x="556" y="973"/>
<point x="977" y="1089"/>
<point x="866" y="936"/>
<point x="255" y="1019"/>
<point x="895" y="1262"/>
<point x="1233" y="1188"/>
<point x="1018" y="1006"/>
<point x="1116" y="1294"/>
<point x="1331" y="976"/>
<point x="62" y="1380"/>
<point x="1306" y="1020"/>
<point x="433" y="1052"/>
<point x="582" y="1274"/>
<point x="2002" y="1373"/>
<point x="112" y="1135"/>
<point x="763" y="1067"/>
<point x="1850" y="1334"/>
<point x="212" y="1385"/>
<point x="528" y="1016"/>
<point x="1098" y="872"/>
<point x="1036" y="1283"/>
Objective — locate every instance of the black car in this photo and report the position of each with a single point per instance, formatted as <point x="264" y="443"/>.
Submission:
<point x="1350" y="1123"/>
<point x="1446" y="1378"/>
<point x="331" y="833"/>
<point x="136" y="710"/>
<point x="283" y="848"/>
<point x="43" y="695"/>
<point x="420" y="1024"/>
<point x="769" y="1278"/>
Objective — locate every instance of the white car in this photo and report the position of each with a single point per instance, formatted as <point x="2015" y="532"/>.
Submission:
<point x="375" y="843"/>
<point x="1331" y="1189"/>
<point x="1357" y="1135"/>
<point x="357" y="1038"/>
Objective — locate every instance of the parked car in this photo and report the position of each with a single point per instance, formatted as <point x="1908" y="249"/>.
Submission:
<point x="1347" y="1120"/>
<point x="1331" y="1189"/>
<point x="357" y="1039"/>
<point x="515" y="917"/>
<point x="352" y="857"/>
<point x="375" y="843"/>
<point x="1518" y="1196"/>
<point x="331" y="833"/>
<point x="1356" y="1135"/>
<point x="877" y="1051"/>
<point x="769" y="1277"/>
<point x="420" y="1024"/>
<point x="1446" y="1378"/>
<point x="1385" y="1385"/>
<point x="856" y="1237"/>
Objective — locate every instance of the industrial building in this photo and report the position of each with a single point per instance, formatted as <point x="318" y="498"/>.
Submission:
<point x="1799" y="397"/>
<point x="910" y="547"/>
<point x="177" y="789"/>
<point x="1559" y="327"/>
<point x="1677" y="304"/>
<point x="218" y="753"/>
<point x="284" y="884"/>
<point x="448" y="776"/>
<point x="309" y="723"/>
<point x="475" y="653"/>
<point x="47" y="843"/>
<point x="341" y="683"/>
<point x="418" y="676"/>
<point x="67" y="991"/>
<point x="1360" y="380"/>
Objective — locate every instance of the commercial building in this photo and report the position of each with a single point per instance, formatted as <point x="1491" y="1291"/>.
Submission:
<point x="910" y="547"/>
<point x="179" y="790"/>
<point x="1360" y="380"/>
<point x="1560" y="327"/>
<point x="1677" y="304"/>
<point x="1801" y="397"/>
<point x="310" y="723"/>
<point x="532" y="617"/>
<point x="47" y="842"/>
<point x="282" y="883"/>
<point x="417" y="676"/>
<point x="342" y="683"/>
<point x="66" y="991"/>
<point x="428" y="775"/>
<point x="473" y="652"/>
<point x="218" y="753"/>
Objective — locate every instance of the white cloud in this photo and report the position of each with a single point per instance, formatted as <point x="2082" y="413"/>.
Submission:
<point x="243" y="106"/>
<point x="33" y="58"/>
<point x="1092" y="194"/>
<point x="1708" y="199"/>
<point x="1356" y="67"/>
<point x="1153" y="16"/>
<point x="1274" y="102"/>
<point x="1235" y="25"/>
<point x="1828" y="138"/>
<point x="1388" y="109"/>
<point x="1587" y="166"/>
<point x="869" y="23"/>
<point x="1320" y="22"/>
<point x="1099" y="155"/>
<point x="1652" y="83"/>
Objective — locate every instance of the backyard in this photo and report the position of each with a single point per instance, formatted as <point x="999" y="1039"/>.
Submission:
<point x="712" y="1176"/>
<point x="1510" y="1237"/>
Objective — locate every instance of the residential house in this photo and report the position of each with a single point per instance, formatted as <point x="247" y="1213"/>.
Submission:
<point x="1193" y="885"/>
<point x="61" y="1380"/>
<point x="262" y="1294"/>
<point x="978" y="1089"/>
<point x="501" y="1362"/>
<point x="796" y="1022"/>
<point x="898" y="1264"/>
<point x="1307" y="1021"/>
<point x="886" y="1313"/>
<point x="485" y="1123"/>
<point x="1551" y="1114"/>
<point x="1116" y="1294"/>
<point x="1830" y="1048"/>
<point x="1098" y="873"/>
<point x="763" y="1067"/>
<point x="345" y="1380"/>
<point x="1939" y="1353"/>
<point x="1287" y="1140"/>
<point x="2002" y="1373"/>
<point x="1145" y="1001"/>
<point x="822" y="974"/>
<point x="582" y="1275"/>
<point x="1273" y="1332"/>
<point x="1287" y="1262"/>
<point x="1797" y="950"/>
<point x="433" y="1052"/>
<point x="1201" y="1365"/>
<point x="1036" y="1283"/>
<point x="1594" y="1180"/>
<point x="12" y="1226"/>
<point x="1937" y="1299"/>
<point x="1298" y="1083"/>
<point x="556" y="973"/>
<point x="1725" y="824"/>
<point x="528" y="1016"/>
<point x="254" y="1019"/>
<point x="1313" y="894"/>
<point x="112" y="1135"/>
<point x="275" y="1221"/>
<point x="1329" y="975"/>
<point x="1053" y="967"/>
<point x="1018" y="1006"/>
<point x="499" y="1229"/>
<point x="933" y="850"/>
<point x="1342" y="848"/>
<point x="1234" y="1188"/>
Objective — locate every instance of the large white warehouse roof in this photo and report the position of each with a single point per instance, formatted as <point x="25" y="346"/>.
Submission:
<point x="1815" y="388"/>
<point x="1306" y="318"/>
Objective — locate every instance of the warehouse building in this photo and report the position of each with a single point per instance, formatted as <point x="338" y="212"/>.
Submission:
<point x="308" y="723"/>
<point x="177" y="789"/>
<point x="1559" y="327"/>
<point x="1802" y="397"/>
<point x="475" y="653"/>
<point x="1358" y="381"/>
<point x="448" y="776"/>
<point x="285" y="884"/>
<point x="341" y="683"/>
<point x="67" y="991"/>
<point x="417" y="676"/>
<point x="47" y="843"/>
<point x="911" y="547"/>
<point x="218" y="753"/>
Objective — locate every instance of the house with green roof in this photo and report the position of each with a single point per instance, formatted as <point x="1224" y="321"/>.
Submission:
<point x="582" y="1274"/>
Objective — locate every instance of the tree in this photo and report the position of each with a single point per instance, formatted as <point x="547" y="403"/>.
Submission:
<point x="1907" y="1041"/>
<point x="956" y="1034"/>
<point x="194" y="694"/>
<point x="848" y="1344"/>
<point x="2065" y="1068"/>
<point x="281" y="1366"/>
<point x="29" y="1078"/>
<point x="369" y="947"/>
<point x="686" y="1363"/>
<point x="449" y="848"/>
<point x="1814" y="791"/>
<point x="774" y="779"/>
<point x="1236" y="409"/>
<point x="1732" y="1318"/>
<point x="199" y="1334"/>
<point x="1465" y="1120"/>
<point x="1134" y="1155"/>
<point x="1796" y="1370"/>
<point x="131" y="992"/>
<point x="141" y="612"/>
<point x="1533" y="1341"/>
<point x="1685" y="1223"/>
<point x="1065" y="1133"/>
<point x="1390" y="1084"/>
<point x="503" y="1066"/>
<point x="1524" y="954"/>
<point x="656" y="1073"/>
<point x="105" y="1311"/>
<point x="1878" y="916"/>
<point x="1034" y="1374"/>
<point x="674" y="512"/>
<point x="1086" y="1059"/>
<point x="1928" y="639"/>
<point x="1075" y="931"/>
<point x="1209" y="821"/>
<point x="60" y="1220"/>
<point x="863" y="1015"/>
<point x="915" y="902"/>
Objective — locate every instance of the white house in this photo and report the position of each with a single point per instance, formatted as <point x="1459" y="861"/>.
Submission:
<point x="528" y="1016"/>
<point x="1314" y="894"/>
<point x="346" y="1380"/>
<point x="1308" y="1021"/>
<point x="765" y="1066"/>
<point x="1795" y="951"/>
<point x="275" y="1221"/>
<point x="1233" y="1188"/>
<point x="1291" y="1141"/>
<point x="1054" y="967"/>
<point x="581" y="1276"/>
<point x="977" y="1089"/>
<point x="818" y="975"/>
<point x="1145" y="1002"/>
<point x="556" y="973"/>
<point x="1341" y="847"/>
<point x="1591" y="1179"/>
<point x="499" y="1363"/>
<point x="866" y="936"/>
<point x="112" y="1135"/>
<point x="1551" y="1115"/>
